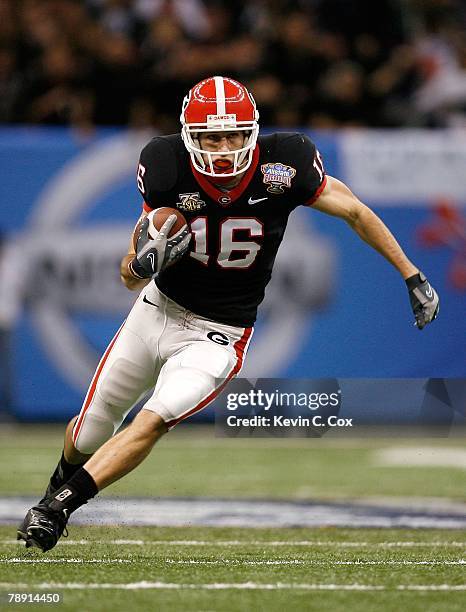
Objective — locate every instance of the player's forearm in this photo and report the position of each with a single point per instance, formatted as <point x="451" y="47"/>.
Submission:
<point x="131" y="282"/>
<point x="372" y="230"/>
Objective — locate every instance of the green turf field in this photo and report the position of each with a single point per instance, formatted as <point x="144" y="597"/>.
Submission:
<point x="192" y="461"/>
<point x="241" y="569"/>
<point x="206" y="569"/>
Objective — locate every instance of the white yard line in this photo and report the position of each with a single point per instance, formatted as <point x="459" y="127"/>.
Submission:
<point x="422" y="456"/>
<point x="400" y="544"/>
<point x="394" y="562"/>
<point x="307" y="562"/>
<point x="237" y="562"/>
<point x="135" y="586"/>
<point x="434" y="587"/>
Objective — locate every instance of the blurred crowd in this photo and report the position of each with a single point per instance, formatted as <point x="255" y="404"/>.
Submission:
<point x="315" y="63"/>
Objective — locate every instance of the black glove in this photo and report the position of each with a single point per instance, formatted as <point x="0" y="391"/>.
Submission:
<point x="155" y="254"/>
<point x="424" y="299"/>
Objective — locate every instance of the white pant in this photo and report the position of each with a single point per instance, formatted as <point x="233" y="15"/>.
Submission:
<point x="164" y="344"/>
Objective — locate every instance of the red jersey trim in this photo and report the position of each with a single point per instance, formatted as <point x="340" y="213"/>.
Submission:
<point x="317" y="193"/>
<point x="146" y="208"/>
<point x="237" y="191"/>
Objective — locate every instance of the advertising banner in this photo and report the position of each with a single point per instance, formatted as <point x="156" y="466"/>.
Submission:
<point x="334" y="308"/>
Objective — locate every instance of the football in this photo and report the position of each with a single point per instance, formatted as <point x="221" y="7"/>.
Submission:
<point x="157" y="218"/>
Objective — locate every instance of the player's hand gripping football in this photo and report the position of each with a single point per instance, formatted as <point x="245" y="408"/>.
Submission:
<point x="424" y="299"/>
<point x="155" y="254"/>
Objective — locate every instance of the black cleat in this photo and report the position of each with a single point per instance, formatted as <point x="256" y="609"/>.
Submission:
<point x="42" y="527"/>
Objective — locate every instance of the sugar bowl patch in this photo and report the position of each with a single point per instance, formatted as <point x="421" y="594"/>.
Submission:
<point x="277" y="176"/>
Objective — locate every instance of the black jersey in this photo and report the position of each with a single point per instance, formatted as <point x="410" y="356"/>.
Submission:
<point x="236" y="233"/>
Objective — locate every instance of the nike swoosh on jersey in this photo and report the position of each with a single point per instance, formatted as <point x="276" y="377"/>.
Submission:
<point x="252" y="201"/>
<point x="144" y="299"/>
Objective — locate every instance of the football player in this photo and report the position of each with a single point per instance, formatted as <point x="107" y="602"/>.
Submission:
<point x="193" y="320"/>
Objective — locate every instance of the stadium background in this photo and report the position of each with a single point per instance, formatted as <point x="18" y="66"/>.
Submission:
<point x="335" y="308"/>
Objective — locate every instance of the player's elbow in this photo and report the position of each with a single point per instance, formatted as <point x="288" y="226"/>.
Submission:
<point x="128" y="280"/>
<point x="355" y="210"/>
<point x="129" y="283"/>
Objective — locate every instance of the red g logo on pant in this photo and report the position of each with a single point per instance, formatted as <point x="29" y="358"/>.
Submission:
<point x="218" y="338"/>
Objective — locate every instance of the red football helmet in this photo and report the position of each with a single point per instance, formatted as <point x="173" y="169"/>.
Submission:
<point x="219" y="104"/>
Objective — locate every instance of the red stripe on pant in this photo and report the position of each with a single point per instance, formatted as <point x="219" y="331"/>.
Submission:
<point x="93" y="386"/>
<point x="239" y="347"/>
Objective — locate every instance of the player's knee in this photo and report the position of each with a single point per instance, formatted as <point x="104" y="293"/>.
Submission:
<point x="182" y="391"/>
<point x="72" y="422"/>
<point x="70" y="429"/>
<point x="95" y="431"/>
<point x="206" y="360"/>
<point x="122" y="385"/>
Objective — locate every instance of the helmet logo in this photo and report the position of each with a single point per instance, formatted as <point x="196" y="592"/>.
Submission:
<point x="221" y="121"/>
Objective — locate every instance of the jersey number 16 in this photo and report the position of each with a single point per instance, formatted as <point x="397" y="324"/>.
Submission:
<point x="245" y="251"/>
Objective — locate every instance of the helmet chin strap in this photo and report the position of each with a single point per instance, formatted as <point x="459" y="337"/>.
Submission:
<point x="224" y="180"/>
